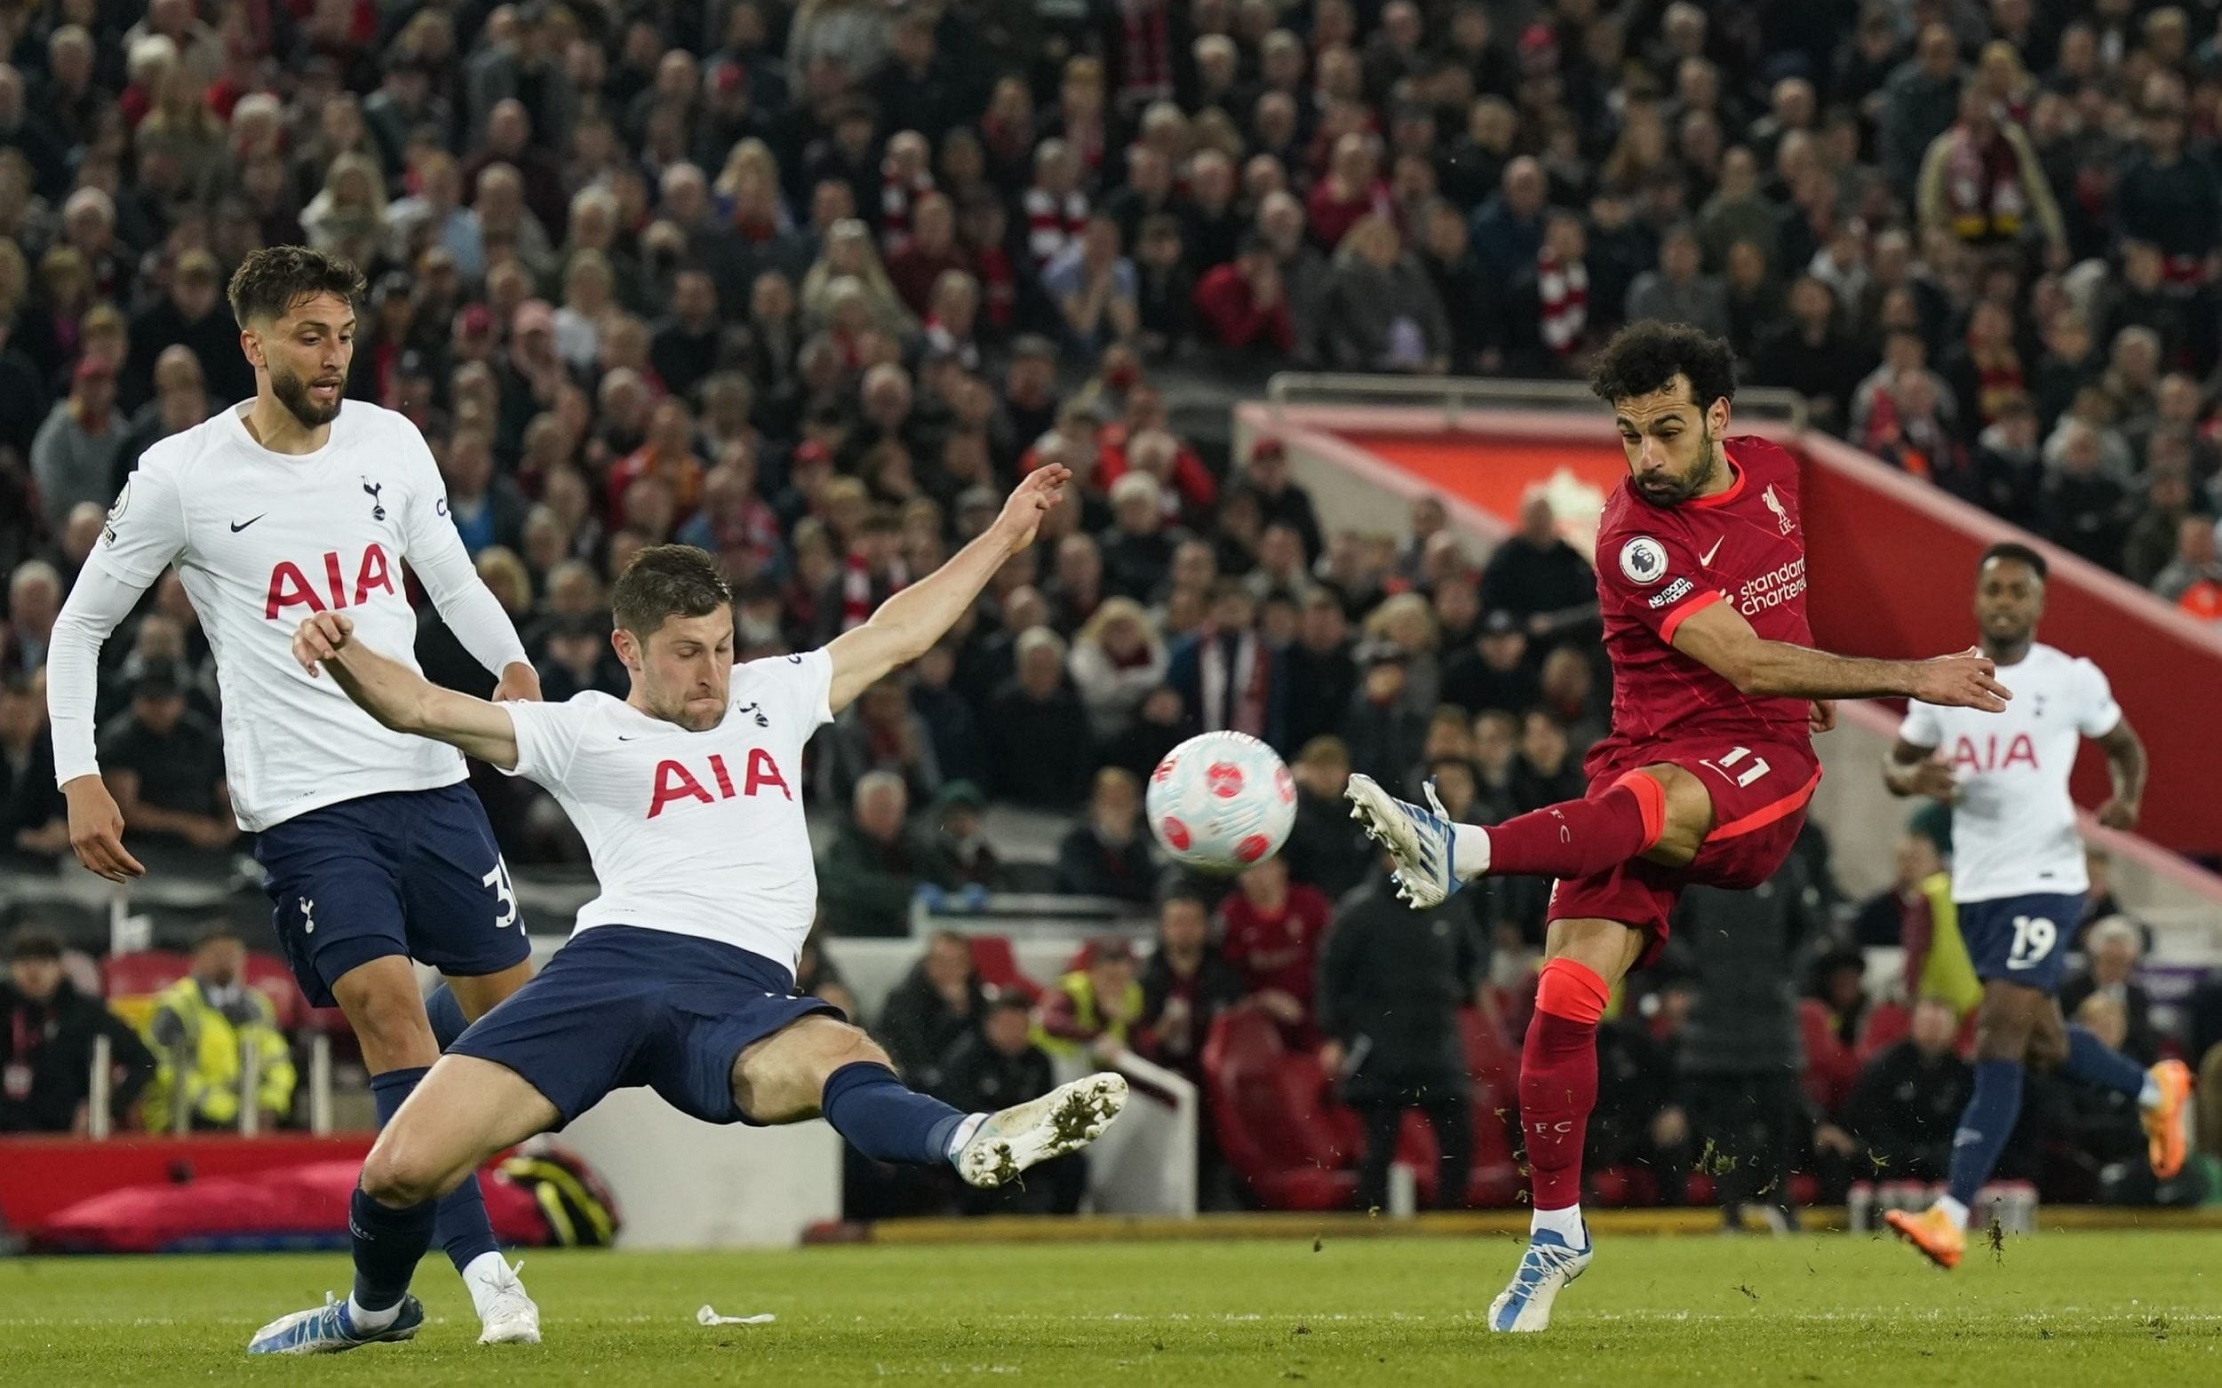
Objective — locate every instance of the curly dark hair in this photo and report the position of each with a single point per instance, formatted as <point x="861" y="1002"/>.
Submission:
<point x="667" y="581"/>
<point x="272" y="280"/>
<point x="1645" y="357"/>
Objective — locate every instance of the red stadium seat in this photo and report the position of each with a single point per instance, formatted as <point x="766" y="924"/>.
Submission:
<point x="1298" y="1149"/>
<point x="148" y="971"/>
<point x="270" y="974"/>
<point x="1886" y="1025"/>
<point x="1264" y="1105"/>
<point x="1831" y="1067"/>
<point x="997" y="965"/>
<point x="130" y="981"/>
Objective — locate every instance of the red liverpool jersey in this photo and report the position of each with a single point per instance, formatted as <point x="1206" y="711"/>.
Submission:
<point x="1656" y="565"/>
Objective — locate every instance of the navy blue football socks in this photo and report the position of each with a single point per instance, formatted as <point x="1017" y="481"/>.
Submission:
<point x="2092" y="1059"/>
<point x="1985" y="1125"/>
<point x="388" y="1245"/>
<point x="885" y="1119"/>
<point x="462" y="1227"/>
<point x="446" y="1014"/>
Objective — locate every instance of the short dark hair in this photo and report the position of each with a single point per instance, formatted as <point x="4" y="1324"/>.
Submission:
<point x="667" y="581"/>
<point x="216" y="930"/>
<point x="1645" y="357"/>
<point x="270" y="281"/>
<point x="2016" y="552"/>
<point x="34" y="942"/>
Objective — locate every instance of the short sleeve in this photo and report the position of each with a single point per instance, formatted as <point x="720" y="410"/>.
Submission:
<point x="547" y="738"/>
<point x="1921" y="728"/>
<point x="803" y="685"/>
<point x="145" y="529"/>
<point x="1654" y="579"/>
<point x="2096" y="712"/>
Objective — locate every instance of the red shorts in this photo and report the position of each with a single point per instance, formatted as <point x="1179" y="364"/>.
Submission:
<point x="1760" y="790"/>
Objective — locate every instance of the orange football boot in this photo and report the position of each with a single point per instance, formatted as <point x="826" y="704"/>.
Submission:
<point x="1933" y="1232"/>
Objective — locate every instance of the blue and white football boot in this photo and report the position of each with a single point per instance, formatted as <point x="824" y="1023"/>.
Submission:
<point x="1549" y="1264"/>
<point x="327" y="1330"/>
<point x="1417" y="836"/>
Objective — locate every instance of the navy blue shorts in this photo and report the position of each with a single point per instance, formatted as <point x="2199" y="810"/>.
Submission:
<point x="411" y="872"/>
<point x="620" y="1007"/>
<point x="2022" y="939"/>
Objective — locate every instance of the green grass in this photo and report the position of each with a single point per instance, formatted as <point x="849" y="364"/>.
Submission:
<point x="2082" y="1308"/>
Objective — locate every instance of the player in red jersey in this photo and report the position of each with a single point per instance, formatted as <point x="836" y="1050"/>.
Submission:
<point x="1706" y="774"/>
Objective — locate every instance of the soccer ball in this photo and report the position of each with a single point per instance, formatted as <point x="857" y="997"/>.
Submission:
<point x="1221" y="801"/>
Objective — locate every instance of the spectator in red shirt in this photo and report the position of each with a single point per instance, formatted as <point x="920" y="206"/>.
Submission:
<point x="1351" y="191"/>
<point x="1242" y="303"/>
<point x="929" y="251"/>
<point x="1272" y="929"/>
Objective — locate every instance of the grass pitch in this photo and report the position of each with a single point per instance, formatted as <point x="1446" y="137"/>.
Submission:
<point x="2083" y="1308"/>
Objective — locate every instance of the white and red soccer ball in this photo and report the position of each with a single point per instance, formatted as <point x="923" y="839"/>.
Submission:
<point x="1221" y="801"/>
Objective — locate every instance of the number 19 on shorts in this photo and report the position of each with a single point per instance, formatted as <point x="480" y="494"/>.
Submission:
<point x="2034" y="937"/>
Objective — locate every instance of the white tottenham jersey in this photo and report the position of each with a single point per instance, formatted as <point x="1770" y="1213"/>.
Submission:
<point x="2013" y="828"/>
<point x="695" y="833"/>
<point x="263" y="540"/>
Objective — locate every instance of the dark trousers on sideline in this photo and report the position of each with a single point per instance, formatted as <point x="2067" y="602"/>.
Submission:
<point x="1447" y="1111"/>
<point x="1750" y="1123"/>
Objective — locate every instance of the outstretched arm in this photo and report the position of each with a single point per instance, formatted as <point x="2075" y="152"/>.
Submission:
<point x="1718" y="637"/>
<point x="400" y="698"/>
<point x="2125" y="762"/>
<point x="908" y="624"/>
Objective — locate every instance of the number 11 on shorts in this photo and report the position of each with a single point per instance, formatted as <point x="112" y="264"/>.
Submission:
<point x="1736" y="757"/>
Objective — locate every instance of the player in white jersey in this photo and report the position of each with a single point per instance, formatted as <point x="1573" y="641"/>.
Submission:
<point x="680" y="974"/>
<point x="2018" y="879"/>
<point x="375" y="851"/>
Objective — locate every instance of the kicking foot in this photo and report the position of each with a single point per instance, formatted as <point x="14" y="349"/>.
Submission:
<point x="327" y="1330"/>
<point x="1935" y="1233"/>
<point x="1417" y="836"/>
<point x="506" y="1313"/>
<point x="2164" y="1129"/>
<point x="1548" y="1265"/>
<point x="1064" y="1120"/>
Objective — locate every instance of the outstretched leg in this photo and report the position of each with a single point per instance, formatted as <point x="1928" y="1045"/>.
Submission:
<point x="819" y="1066"/>
<point x="2163" y="1093"/>
<point x="1660" y="813"/>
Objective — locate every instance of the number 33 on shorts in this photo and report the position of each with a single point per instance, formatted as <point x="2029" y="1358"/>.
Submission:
<point x="505" y="894"/>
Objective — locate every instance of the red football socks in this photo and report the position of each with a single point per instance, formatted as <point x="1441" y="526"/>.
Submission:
<point x="1558" y="1079"/>
<point x="1575" y="838"/>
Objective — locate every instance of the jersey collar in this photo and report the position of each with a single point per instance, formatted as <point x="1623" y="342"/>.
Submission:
<point x="1735" y="488"/>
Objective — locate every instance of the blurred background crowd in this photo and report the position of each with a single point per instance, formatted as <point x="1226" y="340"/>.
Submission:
<point x="810" y="285"/>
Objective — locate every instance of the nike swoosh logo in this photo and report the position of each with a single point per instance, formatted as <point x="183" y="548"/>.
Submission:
<point x="237" y="526"/>
<point x="623" y="737"/>
<point x="1707" y="556"/>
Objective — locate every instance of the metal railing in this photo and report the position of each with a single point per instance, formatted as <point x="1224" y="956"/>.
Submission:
<point x="1460" y="396"/>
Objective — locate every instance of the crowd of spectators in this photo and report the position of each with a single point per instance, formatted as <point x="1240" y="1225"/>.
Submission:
<point x="811" y="285"/>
